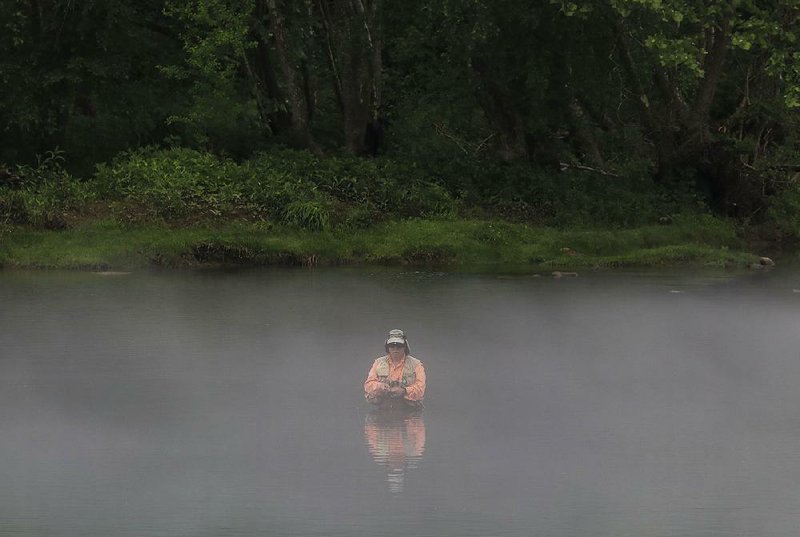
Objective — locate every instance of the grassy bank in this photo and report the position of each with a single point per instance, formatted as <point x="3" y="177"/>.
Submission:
<point x="108" y="245"/>
<point x="180" y="207"/>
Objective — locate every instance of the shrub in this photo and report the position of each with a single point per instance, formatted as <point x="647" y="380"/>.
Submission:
<point x="43" y="194"/>
<point x="784" y="212"/>
<point x="171" y="184"/>
<point x="523" y="192"/>
<point x="312" y="215"/>
<point x="300" y="189"/>
<point x="374" y="185"/>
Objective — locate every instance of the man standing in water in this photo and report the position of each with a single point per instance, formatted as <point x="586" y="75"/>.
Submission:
<point x="396" y="380"/>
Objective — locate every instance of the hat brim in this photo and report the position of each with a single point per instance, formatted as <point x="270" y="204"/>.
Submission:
<point x="396" y="340"/>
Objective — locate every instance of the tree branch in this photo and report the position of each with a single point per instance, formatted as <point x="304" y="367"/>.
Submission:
<point x="337" y="78"/>
<point x="565" y="166"/>
<point x="712" y="66"/>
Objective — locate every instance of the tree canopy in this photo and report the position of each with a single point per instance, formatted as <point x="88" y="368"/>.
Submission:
<point x="706" y="93"/>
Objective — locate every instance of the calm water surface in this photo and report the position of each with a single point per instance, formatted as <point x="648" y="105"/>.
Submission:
<point x="229" y="404"/>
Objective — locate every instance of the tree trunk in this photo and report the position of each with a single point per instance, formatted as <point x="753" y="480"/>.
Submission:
<point x="501" y="113"/>
<point x="712" y="67"/>
<point x="682" y="131"/>
<point x="292" y="83"/>
<point x="660" y="134"/>
<point x="265" y="91"/>
<point x="354" y="43"/>
<point x="583" y="135"/>
<point x="261" y="67"/>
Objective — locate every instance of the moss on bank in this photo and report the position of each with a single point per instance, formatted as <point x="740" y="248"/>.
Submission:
<point x="106" y="244"/>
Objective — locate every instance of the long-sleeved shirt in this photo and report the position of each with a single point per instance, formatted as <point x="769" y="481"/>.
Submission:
<point x="414" y="392"/>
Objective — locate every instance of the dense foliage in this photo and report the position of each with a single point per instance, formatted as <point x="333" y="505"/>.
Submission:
<point x="324" y="113"/>
<point x="183" y="187"/>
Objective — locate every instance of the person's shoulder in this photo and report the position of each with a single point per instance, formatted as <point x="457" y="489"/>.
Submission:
<point x="415" y="361"/>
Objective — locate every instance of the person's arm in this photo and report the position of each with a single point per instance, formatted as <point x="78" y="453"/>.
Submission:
<point x="416" y="391"/>
<point x="374" y="389"/>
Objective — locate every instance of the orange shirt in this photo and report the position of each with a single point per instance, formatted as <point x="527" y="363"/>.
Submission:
<point x="414" y="392"/>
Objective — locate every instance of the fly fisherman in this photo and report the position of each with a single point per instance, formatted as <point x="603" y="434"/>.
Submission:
<point x="396" y="380"/>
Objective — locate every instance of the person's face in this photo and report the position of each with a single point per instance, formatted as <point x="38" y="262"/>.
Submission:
<point x="397" y="350"/>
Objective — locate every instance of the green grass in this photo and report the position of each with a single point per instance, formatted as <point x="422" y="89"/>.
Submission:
<point x="108" y="245"/>
<point x="183" y="208"/>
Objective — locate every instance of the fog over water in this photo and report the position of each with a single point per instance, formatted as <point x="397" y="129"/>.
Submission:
<point x="230" y="404"/>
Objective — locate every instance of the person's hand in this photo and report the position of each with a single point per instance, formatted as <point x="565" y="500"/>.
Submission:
<point x="397" y="391"/>
<point x="382" y="388"/>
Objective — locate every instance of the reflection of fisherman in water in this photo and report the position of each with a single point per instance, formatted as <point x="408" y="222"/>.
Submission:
<point x="394" y="430"/>
<point x="395" y="440"/>
<point x="396" y="380"/>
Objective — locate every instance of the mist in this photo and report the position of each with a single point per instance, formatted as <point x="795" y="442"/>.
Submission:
<point x="231" y="403"/>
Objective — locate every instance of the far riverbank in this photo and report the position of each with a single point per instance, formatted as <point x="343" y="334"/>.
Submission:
<point x="108" y="245"/>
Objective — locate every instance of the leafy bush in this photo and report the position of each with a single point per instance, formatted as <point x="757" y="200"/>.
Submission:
<point x="42" y="195"/>
<point x="292" y="187"/>
<point x="311" y="215"/>
<point x="297" y="188"/>
<point x="171" y="184"/>
<point x="784" y="213"/>
<point x="373" y="185"/>
<point x="523" y="192"/>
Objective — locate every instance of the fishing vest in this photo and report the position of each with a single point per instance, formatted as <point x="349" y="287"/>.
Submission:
<point x="409" y="376"/>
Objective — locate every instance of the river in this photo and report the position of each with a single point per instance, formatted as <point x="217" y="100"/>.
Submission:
<point x="229" y="403"/>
